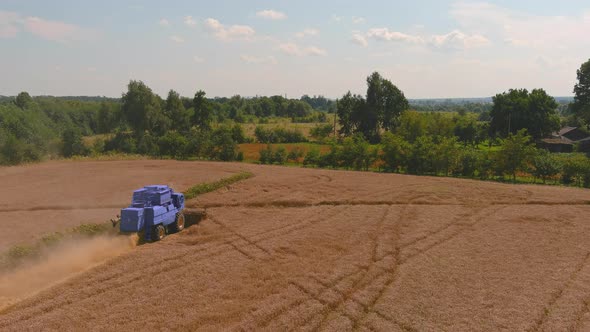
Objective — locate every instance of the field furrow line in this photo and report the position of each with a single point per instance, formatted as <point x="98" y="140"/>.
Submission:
<point x="218" y="222"/>
<point x="558" y="294"/>
<point x="477" y="216"/>
<point x="577" y="323"/>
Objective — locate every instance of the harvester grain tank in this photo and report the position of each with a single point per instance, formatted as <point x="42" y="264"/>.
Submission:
<point x="156" y="210"/>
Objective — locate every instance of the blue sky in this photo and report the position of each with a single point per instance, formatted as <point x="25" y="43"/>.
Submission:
<point x="429" y="49"/>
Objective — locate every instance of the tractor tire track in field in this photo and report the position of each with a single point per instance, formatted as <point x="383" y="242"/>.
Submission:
<point x="384" y="274"/>
<point x="304" y="204"/>
<point x="169" y="264"/>
<point x="558" y="293"/>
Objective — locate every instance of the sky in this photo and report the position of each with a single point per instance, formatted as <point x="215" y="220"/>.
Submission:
<point x="428" y="48"/>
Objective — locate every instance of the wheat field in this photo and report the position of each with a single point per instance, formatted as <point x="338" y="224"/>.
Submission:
<point x="314" y="250"/>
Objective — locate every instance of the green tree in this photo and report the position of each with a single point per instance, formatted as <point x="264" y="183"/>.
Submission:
<point x="23" y="100"/>
<point x="518" y="109"/>
<point x="72" y="143"/>
<point x="394" y="104"/>
<point x="203" y="114"/>
<point x="545" y="165"/>
<point x="312" y="157"/>
<point x="412" y="125"/>
<point x="321" y="131"/>
<point x="466" y="130"/>
<point x="173" y="144"/>
<point x="348" y="109"/>
<point x="175" y="110"/>
<point x="394" y="152"/>
<point x="515" y="151"/>
<point x="421" y="157"/>
<point x="380" y="110"/>
<point x="141" y="109"/>
<point x="581" y="105"/>
<point x="446" y="156"/>
<point x="105" y="118"/>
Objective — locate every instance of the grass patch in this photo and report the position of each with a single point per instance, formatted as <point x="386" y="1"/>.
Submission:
<point x="207" y="187"/>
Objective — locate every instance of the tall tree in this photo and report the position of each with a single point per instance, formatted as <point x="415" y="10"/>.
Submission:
<point x="141" y="109"/>
<point x="581" y="105"/>
<point x="515" y="151"/>
<point x="23" y="100"/>
<point x="175" y="110"/>
<point x="380" y="110"/>
<point x="349" y="108"/>
<point x="202" y="111"/>
<point x="394" y="104"/>
<point x="518" y="109"/>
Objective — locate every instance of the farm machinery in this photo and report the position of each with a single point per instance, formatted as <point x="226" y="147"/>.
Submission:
<point x="155" y="210"/>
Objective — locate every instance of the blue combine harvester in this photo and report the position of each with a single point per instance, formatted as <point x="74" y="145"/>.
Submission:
<point x="155" y="210"/>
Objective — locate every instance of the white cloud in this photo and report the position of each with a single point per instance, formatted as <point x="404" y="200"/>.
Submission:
<point x="315" y="51"/>
<point x="454" y="40"/>
<point x="258" y="60"/>
<point x="177" y="39"/>
<point x="384" y="34"/>
<point x="271" y="14"/>
<point x="11" y="23"/>
<point x="359" y="39"/>
<point x="307" y="32"/>
<point x="198" y="59"/>
<point x="294" y="50"/>
<point x="336" y="18"/>
<point x="54" y="30"/>
<point x="163" y="22"/>
<point x="358" y="20"/>
<point x="188" y="20"/>
<point x="8" y="24"/>
<point x="543" y="33"/>
<point x="458" y="40"/>
<point x="234" y="32"/>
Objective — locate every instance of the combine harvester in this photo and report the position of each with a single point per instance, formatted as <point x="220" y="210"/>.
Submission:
<point x="156" y="211"/>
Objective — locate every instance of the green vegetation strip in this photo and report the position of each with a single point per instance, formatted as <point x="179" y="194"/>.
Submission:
<point x="207" y="187"/>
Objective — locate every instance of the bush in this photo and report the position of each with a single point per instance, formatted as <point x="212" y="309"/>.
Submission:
<point x="295" y="154"/>
<point x="322" y="131"/>
<point x="545" y="165"/>
<point x="468" y="162"/>
<point x="269" y="155"/>
<point x="394" y="152"/>
<point x="172" y="144"/>
<point x="312" y="157"/>
<point x="278" y="135"/>
<point x="576" y="170"/>
<point x="122" y="142"/>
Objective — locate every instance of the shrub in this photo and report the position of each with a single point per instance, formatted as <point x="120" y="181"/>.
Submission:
<point x="312" y="157"/>
<point x="545" y="165"/>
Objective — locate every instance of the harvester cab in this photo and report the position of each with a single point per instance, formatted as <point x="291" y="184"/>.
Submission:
<point x="156" y="210"/>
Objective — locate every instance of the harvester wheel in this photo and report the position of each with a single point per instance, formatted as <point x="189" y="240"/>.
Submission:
<point x="159" y="233"/>
<point x="179" y="222"/>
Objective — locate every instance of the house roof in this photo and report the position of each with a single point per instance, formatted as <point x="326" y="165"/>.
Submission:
<point x="557" y="141"/>
<point x="565" y="130"/>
